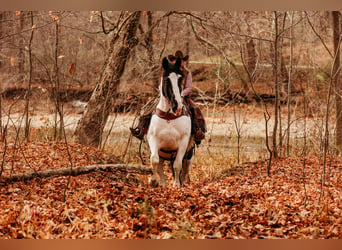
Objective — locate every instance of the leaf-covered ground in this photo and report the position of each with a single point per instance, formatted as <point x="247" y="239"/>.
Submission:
<point x="240" y="203"/>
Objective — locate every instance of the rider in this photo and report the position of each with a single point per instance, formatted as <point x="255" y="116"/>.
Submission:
<point x="198" y="122"/>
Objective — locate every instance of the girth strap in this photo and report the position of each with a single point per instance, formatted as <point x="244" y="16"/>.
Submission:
<point x="169" y="155"/>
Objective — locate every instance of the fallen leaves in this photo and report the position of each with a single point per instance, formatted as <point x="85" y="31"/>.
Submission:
<point x="245" y="204"/>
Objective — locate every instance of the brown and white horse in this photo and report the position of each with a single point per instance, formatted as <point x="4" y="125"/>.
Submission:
<point x="169" y="134"/>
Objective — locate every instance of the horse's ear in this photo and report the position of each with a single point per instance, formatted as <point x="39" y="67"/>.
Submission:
<point x="178" y="63"/>
<point x="165" y="63"/>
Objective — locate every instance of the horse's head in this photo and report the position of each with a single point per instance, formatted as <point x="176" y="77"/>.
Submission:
<point x="172" y="84"/>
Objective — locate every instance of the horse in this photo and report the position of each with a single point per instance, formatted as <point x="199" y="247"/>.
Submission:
<point x="169" y="134"/>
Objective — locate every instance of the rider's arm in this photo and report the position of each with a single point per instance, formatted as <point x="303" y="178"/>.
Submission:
<point x="188" y="85"/>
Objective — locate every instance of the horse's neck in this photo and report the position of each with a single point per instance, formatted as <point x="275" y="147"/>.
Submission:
<point x="163" y="105"/>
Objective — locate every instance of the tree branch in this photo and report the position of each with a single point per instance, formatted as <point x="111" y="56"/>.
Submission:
<point x="218" y="49"/>
<point x="316" y="33"/>
<point x="155" y="24"/>
<point x="103" y="25"/>
<point x="140" y="169"/>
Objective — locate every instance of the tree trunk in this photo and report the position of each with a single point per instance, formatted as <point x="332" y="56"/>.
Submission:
<point x="2" y="19"/>
<point x="276" y="87"/>
<point x="335" y="75"/>
<point x="58" y="111"/>
<point x="90" y="128"/>
<point x="251" y="59"/>
<point x="28" y="93"/>
<point x="289" y="89"/>
<point x="21" y="56"/>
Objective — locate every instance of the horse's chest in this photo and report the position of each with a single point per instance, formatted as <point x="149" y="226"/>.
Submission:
<point x="169" y="134"/>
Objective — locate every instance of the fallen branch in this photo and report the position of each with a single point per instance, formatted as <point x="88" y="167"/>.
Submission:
<point x="75" y="172"/>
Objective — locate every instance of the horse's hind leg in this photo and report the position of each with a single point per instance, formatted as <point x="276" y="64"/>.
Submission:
<point x="185" y="178"/>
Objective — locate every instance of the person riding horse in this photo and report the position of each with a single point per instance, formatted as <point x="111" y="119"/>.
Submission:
<point x="198" y="122"/>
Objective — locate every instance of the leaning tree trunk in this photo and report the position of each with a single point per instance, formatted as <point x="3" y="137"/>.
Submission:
<point x="252" y="58"/>
<point x="90" y="128"/>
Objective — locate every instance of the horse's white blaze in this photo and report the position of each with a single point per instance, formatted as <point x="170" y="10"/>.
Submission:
<point x="174" y="82"/>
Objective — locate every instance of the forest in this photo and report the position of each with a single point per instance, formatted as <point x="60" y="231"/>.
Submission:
<point x="268" y="83"/>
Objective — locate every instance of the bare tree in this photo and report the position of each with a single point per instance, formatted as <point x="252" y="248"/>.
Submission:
<point x="57" y="85"/>
<point x="90" y="128"/>
<point x="335" y="75"/>
<point x="150" y="52"/>
<point x="217" y="48"/>
<point x="289" y="88"/>
<point x="2" y="18"/>
<point x="251" y="58"/>
<point x="276" y="84"/>
<point x="333" y="84"/>
<point x="28" y="92"/>
<point x="21" y="56"/>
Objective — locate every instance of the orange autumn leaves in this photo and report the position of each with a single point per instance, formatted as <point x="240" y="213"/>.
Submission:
<point x="246" y="204"/>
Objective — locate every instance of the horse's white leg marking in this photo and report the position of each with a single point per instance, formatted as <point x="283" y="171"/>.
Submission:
<point x="177" y="165"/>
<point x="161" y="173"/>
<point x="154" y="180"/>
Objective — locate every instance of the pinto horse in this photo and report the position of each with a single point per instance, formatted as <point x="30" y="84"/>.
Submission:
<point x="169" y="134"/>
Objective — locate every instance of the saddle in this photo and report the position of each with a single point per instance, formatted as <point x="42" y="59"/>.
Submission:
<point x="169" y="116"/>
<point x="197" y="119"/>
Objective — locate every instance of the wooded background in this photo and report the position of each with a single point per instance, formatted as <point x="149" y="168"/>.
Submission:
<point x="268" y="83"/>
<point x="283" y="57"/>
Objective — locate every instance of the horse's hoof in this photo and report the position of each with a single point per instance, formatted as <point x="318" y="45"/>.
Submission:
<point x="153" y="183"/>
<point x="176" y="185"/>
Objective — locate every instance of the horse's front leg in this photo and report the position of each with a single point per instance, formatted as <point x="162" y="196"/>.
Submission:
<point x="161" y="172"/>
<point x="157" y="168"/>
<point x="154" y="159"/>
<point x="178" y="164"/>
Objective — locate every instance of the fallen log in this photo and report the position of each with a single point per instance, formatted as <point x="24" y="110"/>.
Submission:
<point x="140" y="169"/>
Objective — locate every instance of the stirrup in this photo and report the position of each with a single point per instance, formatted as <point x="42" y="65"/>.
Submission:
<point x="136" y="132"/>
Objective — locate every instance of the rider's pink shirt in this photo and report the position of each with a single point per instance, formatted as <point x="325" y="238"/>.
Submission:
<point x="188" y="85"/>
